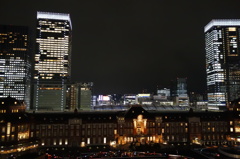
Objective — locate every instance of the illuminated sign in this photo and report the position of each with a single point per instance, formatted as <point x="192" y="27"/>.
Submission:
<point x="144" y="95"/>
<point x="103" y="98"/>
<point x="132" y="97"/>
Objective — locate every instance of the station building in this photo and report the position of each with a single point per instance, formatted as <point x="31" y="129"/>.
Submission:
<point x="116" y="129"/>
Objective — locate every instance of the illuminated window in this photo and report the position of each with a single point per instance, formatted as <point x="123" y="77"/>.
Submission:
<point x="3" y="129"/>
<point x="54" y="142"/>
<point x="231" y="29"/>
<point x="12" y="137"/>
<point x="3" y="138"/>
<point x="2" y="111"/>
<point x="60" y="141"/>
<point x="82" y="144"/>
<point x="43" y="142"/>
<point x="13" y="129"/>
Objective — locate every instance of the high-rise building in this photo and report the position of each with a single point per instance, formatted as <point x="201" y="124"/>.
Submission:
<point x="52" y="60"/>
<point x="222" y="61"/>
<point x="79" y="96"/>
<point x="179" y="92"/>
<point x="86" y="95"/>
<point x="179" y="87"/>
<point x="14" y="63"/>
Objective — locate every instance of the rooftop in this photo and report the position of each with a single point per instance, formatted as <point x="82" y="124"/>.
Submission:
<point x="222" y="22"/>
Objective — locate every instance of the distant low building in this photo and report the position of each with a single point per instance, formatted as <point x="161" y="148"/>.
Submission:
<point x="198" y="101"/>
<point x="144" y="98"/>
<point x="163" y="94"/>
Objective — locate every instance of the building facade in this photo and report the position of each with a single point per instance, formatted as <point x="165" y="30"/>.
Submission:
<point x="222" y="62"/>
<point x="164" y="94"/>
<point x="86" y="95"/>
<point x="52" y="60"/>
<point x="179" y="87"/>
<point x="179" y="92"/>
<point x="14" y="63"/>
<point x="136" y="126"/>
<point x="15" y="129"/>
<point x="115" y="129"/>
<point x="79" y="96"/>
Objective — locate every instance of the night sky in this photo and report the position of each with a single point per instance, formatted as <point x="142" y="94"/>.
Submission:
<point x="125" y="46"/>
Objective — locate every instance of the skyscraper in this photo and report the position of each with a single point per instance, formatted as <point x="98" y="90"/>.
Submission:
<point x="179" y="93"/>
<point x="179" y="87"/>
<point x="14" y="63"/>
<point x="222" y="61"/>
<point x="52" y="60"/>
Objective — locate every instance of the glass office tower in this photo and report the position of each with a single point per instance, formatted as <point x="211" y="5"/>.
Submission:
<point x="52" y="60"/>
<point x="14" y="63"/>
<point x="179" y="87"/>
<point x="222" y="61"/>
<point x="179" y="93"/>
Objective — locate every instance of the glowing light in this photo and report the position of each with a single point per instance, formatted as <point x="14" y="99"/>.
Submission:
<point x="82" y="144"/>
<point x="66" y="141"/>
<point x="113" y="143"/>
<point x="104" y="140"/>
